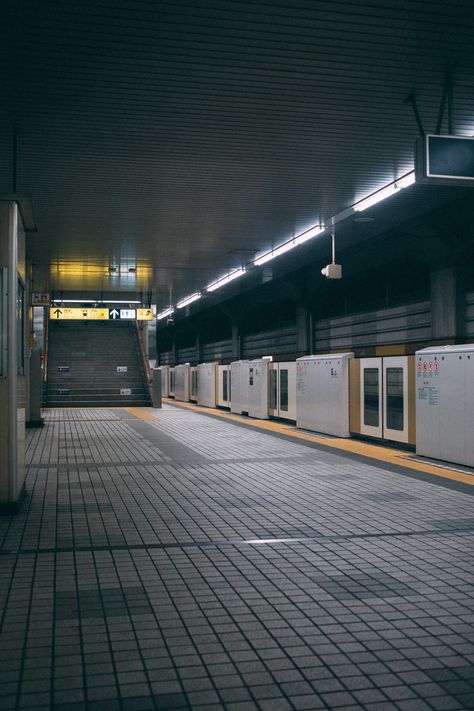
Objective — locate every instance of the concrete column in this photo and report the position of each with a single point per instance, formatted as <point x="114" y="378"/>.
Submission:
<point x="304" y="340"/>
<point x="236" y="342"/>
<point x="13" y="385"/>
<point x="198" y="348"/>
<point x="447" y="305"/>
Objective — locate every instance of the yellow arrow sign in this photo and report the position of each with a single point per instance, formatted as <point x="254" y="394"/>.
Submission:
<point x="57" y="313"/>
<point x="144" y="315"/>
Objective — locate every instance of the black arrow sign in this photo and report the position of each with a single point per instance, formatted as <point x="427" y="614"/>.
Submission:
<point x="113" y="313"/>
<point x="58" y="313"/>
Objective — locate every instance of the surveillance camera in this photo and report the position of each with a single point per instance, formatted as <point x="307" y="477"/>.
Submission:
<point x="332" y="271"/>
<point x="169" y="321"/>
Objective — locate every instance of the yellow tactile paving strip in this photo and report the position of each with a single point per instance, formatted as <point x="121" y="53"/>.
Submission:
<point x="389" y="455"/>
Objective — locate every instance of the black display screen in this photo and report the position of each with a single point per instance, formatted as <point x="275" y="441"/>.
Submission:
<point x="451" y="157"/>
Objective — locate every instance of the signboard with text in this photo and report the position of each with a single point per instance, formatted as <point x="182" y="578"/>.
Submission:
<point x="63" y="313"/>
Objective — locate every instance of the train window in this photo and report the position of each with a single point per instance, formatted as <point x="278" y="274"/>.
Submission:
<point x="284" y="389"/>
<point x="230" y="386"/>
<point x="224" y="385"/>
<point x="273" y="389"/>
<point x="394" y="395"/>
<point x="371" y="397"/>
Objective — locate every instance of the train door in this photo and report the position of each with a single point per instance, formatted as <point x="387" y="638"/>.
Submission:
<point x="273" y="390"/>
<point x="287" y="390"/>
<point x="384" y="397"/>
<point x="282" y="390"/>
<point x="371" y="397"/>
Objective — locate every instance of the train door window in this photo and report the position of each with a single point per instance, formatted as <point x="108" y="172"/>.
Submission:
<point x="273" y="389"/>
<point x="224" y="385"/>
<point x="230" y="385"/>
<point x="250" y="376"/>
<point x="284" y="389"/>
<point x="394" y="398"/>
<point x="371" y="397"/>
<point x="194" y="382"/>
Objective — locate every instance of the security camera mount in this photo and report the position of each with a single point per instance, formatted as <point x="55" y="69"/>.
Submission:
<point x="333" y="270"/>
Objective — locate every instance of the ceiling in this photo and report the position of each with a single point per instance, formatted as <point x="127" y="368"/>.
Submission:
<point x="171" y="141"/>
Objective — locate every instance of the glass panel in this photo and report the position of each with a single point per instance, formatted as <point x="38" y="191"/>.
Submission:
<point x="273" y="389"/>
<point x="20" y="328"/>
<point x="230" y="386"/>
<point x="284" y="389"/>
<point x="394" y="395"/>
<point x="224" y="385"/>
<point x="371" y="397"/>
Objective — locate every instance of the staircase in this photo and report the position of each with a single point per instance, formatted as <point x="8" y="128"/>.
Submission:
<point x="95" y="364"/>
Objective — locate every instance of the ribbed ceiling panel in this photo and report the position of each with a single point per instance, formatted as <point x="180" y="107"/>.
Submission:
<point x="170" y="134"/>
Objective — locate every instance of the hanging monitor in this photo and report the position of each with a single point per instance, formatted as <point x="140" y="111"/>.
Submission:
<point x="445" y="160"/>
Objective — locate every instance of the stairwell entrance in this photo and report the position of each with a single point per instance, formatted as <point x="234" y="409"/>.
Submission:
<point x="95" y="364"/>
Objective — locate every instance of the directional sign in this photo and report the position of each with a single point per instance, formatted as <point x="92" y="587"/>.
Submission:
<point x="144" y="315"/>
<point x="128" y="313"/>
<point x="57" y="313"/>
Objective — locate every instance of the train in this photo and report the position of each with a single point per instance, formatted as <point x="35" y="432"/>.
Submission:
<point x="393" y="398"/>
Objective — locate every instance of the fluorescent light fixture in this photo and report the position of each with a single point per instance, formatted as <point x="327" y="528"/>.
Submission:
<point x="299" y="239"/>
<point x="225" y="280"/>
<point x="94" y="301"/>
<point x="188" y="300"/>
<point x="164" y="314"/>
<point x="385" y="192"/>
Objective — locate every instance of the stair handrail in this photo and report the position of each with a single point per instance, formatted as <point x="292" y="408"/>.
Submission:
<point x="146" y="365"/>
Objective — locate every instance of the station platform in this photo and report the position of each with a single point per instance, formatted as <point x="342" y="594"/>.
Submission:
<point x="172" y="559"/>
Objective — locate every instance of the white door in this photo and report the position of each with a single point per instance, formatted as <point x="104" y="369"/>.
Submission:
<point x="287" y="390"/>
<point x="273" y="390"/>
<point x="371" y="389"/>
<point x="395" y="398"/>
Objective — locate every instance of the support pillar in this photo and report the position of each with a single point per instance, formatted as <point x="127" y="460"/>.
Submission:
<point x="14" y="389"/>
<point x="236" y="342"/>
<point x="198" y="349"/>
<point x="304" y="337"/>
<point x="447" y="305"/>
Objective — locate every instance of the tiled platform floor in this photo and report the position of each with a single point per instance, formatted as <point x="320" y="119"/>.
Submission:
<point x="128" y="580"/>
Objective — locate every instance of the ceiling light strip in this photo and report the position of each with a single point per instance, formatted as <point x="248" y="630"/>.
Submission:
<point x="372" y="199"/>
<point x="225" y="279"/>
<point x="164" y="314"/>
<point x="385" y="192"/>
<point x="188" y="300"/>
